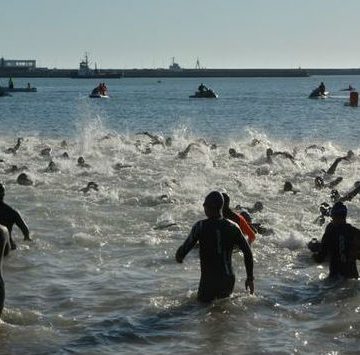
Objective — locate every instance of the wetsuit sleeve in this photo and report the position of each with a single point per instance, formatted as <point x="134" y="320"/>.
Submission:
<point x="246" y="229"/>
<point x="21" y="224"/>
<point x="245" y="248"/>
<point x="324" y="248"/>
<point x="189" y="243"/>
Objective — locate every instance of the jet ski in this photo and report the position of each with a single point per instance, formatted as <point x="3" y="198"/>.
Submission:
<point x="95" y="94"/>
<point x="205" y="94"/>
<point x="316" y="94"/>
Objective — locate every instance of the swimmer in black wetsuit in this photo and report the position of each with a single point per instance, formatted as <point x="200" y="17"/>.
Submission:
<point x="4" y="240"/>
<point x="234" y="154"/>
<point x="270" y="153"/>
<point x="82" y="164"/>
<point x="217" y="237"/>
<point x="23" y="179"/>
<point x="340" y="243"/>
<point x="183" y="154"/>
<point x="15" y="148"/>
<point x="9" y="217"/>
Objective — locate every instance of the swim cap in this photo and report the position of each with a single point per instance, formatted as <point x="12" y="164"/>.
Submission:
<point x="338" y="210"/>
<point x="214" y="200"/>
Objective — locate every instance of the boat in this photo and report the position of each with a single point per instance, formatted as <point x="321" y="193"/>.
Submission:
<point x="85" y="72"/>
<point x="99" y="93"/>
<point x="206" y="94"/>
<point x="6" y="89"/>
<point x="316" y="94"/>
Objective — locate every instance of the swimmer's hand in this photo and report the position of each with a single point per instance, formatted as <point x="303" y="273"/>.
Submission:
<point x="249" y="284"/>
<point x="178" y="256"/>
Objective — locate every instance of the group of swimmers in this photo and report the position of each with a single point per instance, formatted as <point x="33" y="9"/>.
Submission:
<point x="224" y="228"/>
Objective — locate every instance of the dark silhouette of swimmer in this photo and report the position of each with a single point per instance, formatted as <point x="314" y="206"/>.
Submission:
<point x="348" y="157"/>
<point x="336" y="197"/>
<point x="324" y="212"/>
<point x="82" y="164"/>
<point x="4" y="241"/>
<point x="257" y="207"/>
<point x="270" y="153"/>
<point x="320" y="183"/>
<point x="217" y="237"/>
<point x="14" y="149"/>
<point x="340" y="244"/>
<point x="23" y="179"/>
<point x="9" y="217"/>
<point x="52" y="167"/>
<point x="65" y="155"/>
<point x="155" y="139"/>
<point x="45" y="152"/>
<point x="254" y="142"/>
<point x="240" y="220"/>
<point x="288" y="187"/>
<point x="90" y="186"/>
<point x="212" y="146"/>
<point x="234" y="154"/>
<point x="322" y="88"/>
<point x="183" y="154"/>
<point x="63" y="144"/>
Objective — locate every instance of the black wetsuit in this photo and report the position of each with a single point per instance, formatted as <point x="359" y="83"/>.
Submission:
<point x="217" y="238"/>
<point x="9" y="217"/>
<point x="340" y="243"/>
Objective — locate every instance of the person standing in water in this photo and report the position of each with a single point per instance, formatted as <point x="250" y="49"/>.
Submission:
<point x="217" y="237"/>
<point x="4" y="240"/>
<point x="9" y="217"/>
<point x="340" y="242"/>
<point x="238" y="219"/>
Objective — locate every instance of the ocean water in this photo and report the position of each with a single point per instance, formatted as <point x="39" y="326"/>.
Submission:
<point x="100" y="275"/>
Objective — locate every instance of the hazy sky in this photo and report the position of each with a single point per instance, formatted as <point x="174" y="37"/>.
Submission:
<point x="147" y="33"/>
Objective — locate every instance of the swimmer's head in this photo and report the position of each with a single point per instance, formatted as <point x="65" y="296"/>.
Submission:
<point x="269" y="152"/>
<point x="258" y="206"/>
<point x="232" y="152"/>
<point x="288" y="186"/>
<point x="81" y="160"/>
<point x="23" y="179"/>
<point x="213" y="203"/>
<point x="319" y="182"/>
<point x="339" y="210"/>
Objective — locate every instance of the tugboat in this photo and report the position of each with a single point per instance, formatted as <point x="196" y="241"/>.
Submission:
<point x="85" y="72"/>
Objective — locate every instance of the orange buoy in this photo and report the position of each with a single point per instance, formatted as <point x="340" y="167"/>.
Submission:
<point x="354" y="98"/>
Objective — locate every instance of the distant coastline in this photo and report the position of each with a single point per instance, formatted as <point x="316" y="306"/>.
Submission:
<point x="168" y="73"/>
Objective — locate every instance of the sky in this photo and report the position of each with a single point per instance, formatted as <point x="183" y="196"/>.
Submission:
<point x="126" y="34"/>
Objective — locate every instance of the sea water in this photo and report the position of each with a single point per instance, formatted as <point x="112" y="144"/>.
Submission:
<point x="100" y="274"/>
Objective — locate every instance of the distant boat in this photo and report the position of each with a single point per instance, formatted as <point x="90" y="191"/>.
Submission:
<point x="27" y="89"/>
<point x="316" y="94"/>
<point x="205" y="94"/>
<point x="85" y="72"/>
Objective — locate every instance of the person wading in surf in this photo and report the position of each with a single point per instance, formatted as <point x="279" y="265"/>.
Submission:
<point x="217" y="237"/>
